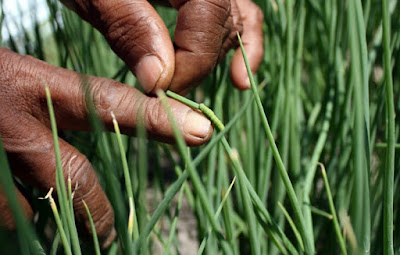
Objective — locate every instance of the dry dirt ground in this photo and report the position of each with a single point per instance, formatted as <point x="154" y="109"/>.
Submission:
<point x="186" y="228"/>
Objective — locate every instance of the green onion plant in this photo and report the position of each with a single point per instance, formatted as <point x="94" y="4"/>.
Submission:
<point x="326" y="94"/>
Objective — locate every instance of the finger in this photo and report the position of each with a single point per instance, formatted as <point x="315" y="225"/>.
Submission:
<point x="7" y="219"/>
<point x="252" y="38"/>
<point x="137" y="34"/>
<point x="132" y="108"/>
<point x="231" y="42"/>
<point x="128" y="104"/>
<point x="202" y="27"/>
<point x="33" y="160"/>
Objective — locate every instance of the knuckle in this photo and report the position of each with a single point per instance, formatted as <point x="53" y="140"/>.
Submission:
<point x="97" y="96"/>
<point x="102" y="96"/>
<point x="111" y="96"/>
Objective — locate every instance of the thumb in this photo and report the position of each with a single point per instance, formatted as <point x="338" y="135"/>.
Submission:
<point x="137" y="35"/>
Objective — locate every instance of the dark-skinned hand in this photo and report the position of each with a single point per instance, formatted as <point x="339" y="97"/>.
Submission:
<point x="205" y="32"/>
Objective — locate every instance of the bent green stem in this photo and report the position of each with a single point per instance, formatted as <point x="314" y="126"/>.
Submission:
<point x="308" y="245"/>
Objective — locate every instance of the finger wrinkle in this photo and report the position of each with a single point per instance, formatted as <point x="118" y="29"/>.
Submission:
<point x="203" y="14"/>
<point x="75" y="166"/>
<point x="210" y="15"/>
<point x="99" y="92"/>
<point x="119" y="101"/>
<point x="201" y="59"/>
<point x="124" y="24"/>
<point x="124" y="38"/>
<point x="155" y="116"/>
<point x="109" y="95"/>
<point x="224" y="6"/>
<point x="209" y="50"/>
<point x="196" y="40"/>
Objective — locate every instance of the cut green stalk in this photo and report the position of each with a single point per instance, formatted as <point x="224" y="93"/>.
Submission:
<point x="133" y="230"/>
<point x="211" y="115"/>
<point x="202" y="107"/>
<point x="308" y="245"/>
<point x="182" y="99"/>
<point x="57" y="218"/>
<point x="390" y="137"/>
<point x="66" y="210"/>
<point x="333" y="211"/>
<point x="93" y="229"/>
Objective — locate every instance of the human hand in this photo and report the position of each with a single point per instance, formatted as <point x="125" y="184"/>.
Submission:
<point x="205" y="32"/>
<point x="27" y="138"/>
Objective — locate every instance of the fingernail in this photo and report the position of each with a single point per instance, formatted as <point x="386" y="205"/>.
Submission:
<point x="197" y="125"/>
<point x="148" y="72"/>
